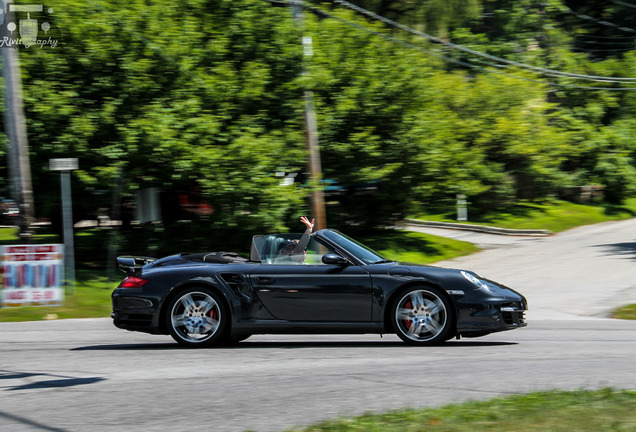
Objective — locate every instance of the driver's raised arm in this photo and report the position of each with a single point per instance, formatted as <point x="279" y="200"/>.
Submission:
<point x="299" y="250"/>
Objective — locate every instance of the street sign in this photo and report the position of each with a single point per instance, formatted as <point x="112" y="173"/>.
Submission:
<point x="63" y="164"/>
<point x="31" y="275"/>
<point x="462" y="211"/>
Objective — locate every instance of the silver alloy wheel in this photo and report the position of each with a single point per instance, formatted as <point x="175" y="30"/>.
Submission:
<point x="422" y="316"/>
<point x="195" y="317"/>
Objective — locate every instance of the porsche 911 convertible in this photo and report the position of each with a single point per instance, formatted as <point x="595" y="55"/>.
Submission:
<point x="322" y="283"/>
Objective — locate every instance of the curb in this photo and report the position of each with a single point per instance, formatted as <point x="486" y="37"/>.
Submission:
<point x="480" y="228"/>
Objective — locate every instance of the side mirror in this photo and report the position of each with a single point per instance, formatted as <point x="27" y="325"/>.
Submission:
<point x="334" y="259"/>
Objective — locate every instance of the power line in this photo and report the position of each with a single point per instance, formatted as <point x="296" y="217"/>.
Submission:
<point x="323" y="13"/>
<point x="599" y="21"/>
<point x="596" y="50"/>
<point x="584" y="40"/>
<point x="609" y="38"/>
<point x="481" y="54"/>
<point x="508" y="63"/>
<point x="622" y="3"/>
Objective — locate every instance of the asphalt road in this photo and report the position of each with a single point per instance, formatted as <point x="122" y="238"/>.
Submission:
<point x="78" y="375"/>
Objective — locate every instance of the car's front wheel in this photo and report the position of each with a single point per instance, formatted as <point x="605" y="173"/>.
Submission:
<point x="423" y="315"/>
<point x="196" y="317"/>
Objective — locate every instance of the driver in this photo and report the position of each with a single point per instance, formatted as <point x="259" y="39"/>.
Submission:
<point x="297" y="249"/>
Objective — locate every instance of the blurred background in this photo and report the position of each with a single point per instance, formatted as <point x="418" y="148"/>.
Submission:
<point x="188" y="118"/>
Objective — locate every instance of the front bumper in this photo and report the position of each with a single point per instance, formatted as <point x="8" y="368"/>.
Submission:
<point x="493" y="316"/>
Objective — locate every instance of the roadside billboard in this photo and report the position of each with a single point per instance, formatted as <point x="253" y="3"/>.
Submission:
<point x="31" y="275"/>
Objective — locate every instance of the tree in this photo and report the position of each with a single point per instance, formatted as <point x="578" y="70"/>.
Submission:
<point x="205" y="101"/>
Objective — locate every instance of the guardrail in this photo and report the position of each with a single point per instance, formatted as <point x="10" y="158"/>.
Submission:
<point x="481" y="228"/>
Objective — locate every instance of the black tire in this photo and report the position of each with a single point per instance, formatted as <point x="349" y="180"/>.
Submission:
<point x="423" y="315"/>
<point x="197" y="317"/>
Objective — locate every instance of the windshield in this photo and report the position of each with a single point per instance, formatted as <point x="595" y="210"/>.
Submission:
<point x="360" y="251"/>
<point x="267" y="248"/>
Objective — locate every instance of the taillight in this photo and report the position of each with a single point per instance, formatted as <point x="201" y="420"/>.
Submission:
<point x="133" y="282"/>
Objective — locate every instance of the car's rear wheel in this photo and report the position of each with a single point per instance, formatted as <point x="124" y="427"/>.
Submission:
<point x="423" y="315"/>
<point x="196" y="317"/>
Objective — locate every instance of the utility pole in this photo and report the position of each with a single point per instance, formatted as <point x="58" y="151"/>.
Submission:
<point x="15" y="127"/>
<point x="311" y="125"/>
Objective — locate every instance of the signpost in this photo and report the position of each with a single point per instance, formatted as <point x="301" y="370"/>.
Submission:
<point x="462" y="211"/>
<point x="65" y="166"/>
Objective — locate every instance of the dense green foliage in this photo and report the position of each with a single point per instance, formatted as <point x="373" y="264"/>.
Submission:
<point x="204" y="100"/>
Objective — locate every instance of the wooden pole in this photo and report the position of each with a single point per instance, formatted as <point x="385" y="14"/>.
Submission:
<point x="311" y="125"/>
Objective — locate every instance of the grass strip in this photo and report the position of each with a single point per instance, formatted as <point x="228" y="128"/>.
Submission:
<point x="90" y="300"/>
<point x="626" y="312"/>
<point x="554" y="215"/>
<point x="417" y="248"/>
<point x="555" y="411"/>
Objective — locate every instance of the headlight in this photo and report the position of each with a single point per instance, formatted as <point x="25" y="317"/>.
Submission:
<point x="475" y="280"/>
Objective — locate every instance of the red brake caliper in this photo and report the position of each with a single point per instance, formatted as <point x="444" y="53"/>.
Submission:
<point x="408" y="322"/>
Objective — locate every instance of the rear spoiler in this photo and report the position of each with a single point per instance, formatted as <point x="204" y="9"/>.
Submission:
<point x="132" y="265"/>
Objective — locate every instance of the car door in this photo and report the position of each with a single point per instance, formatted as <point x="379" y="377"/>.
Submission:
<point x="313" y="291"/>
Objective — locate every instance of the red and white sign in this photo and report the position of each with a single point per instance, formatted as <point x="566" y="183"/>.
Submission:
<point x="31" y="275"/>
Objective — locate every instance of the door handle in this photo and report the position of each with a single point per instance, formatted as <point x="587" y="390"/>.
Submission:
<point x="264" y="280"/>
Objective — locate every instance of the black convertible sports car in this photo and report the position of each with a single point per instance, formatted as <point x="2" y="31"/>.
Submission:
<point x="330" y="284"/>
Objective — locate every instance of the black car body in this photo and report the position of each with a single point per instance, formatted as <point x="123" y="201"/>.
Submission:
<point x="336" y="286"/>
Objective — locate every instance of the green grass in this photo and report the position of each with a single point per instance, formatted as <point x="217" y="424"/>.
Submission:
<point x="91" y="299"/>
<point x="625" y="312"/>
<point x="417" y="248"/>
<point x="557" y="411"/>
<point x="8" y="235"/>
<point x="555" y="216"/>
